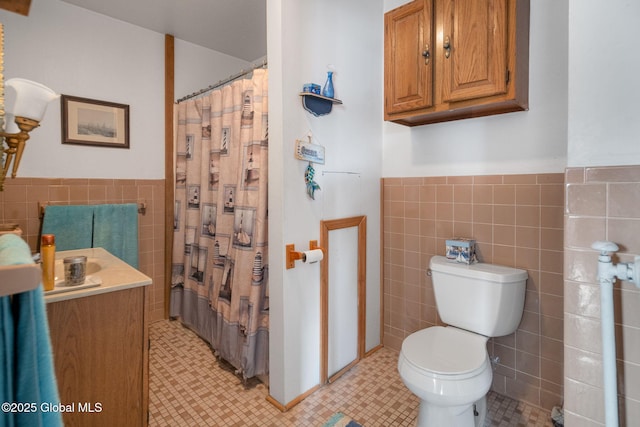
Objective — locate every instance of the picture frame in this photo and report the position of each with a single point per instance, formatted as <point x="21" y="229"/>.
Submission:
<point x="92" y="122"/>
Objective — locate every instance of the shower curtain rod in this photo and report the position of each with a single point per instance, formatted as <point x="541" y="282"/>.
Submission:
<point x="224" y="81"/>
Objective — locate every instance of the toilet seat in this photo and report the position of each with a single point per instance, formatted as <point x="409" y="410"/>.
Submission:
<point x="446" y="352"/>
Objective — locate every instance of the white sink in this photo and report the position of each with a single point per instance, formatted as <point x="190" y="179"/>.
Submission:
<point x="105" y="273"/>
<point x="93" y="267"/>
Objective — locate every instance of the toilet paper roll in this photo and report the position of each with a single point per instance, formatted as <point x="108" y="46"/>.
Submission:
<point x="312" y="256"/>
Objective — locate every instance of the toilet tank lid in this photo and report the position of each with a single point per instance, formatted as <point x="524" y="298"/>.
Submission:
<point x="492" y="272"/>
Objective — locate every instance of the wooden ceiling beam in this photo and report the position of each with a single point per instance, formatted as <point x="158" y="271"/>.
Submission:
<point x="17" y="6"/>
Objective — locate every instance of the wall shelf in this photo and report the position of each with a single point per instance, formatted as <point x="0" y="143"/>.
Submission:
<point x="318" y="105"/>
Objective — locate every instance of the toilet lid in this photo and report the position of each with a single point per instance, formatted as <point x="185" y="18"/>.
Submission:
<point x="446" y="351"/>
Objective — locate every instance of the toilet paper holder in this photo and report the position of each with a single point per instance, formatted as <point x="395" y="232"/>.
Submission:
<point x="292" y="255"/>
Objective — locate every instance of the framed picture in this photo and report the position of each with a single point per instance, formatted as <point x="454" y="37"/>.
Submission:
<point x="91" y="122"/>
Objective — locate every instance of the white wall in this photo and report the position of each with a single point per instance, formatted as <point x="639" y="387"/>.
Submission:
<point x="197" y="67"/>
<point x="534" y="141"/>
<point x="604" y="87"/>
<point x="303" y="37"/>
<point x="82" y="53"/>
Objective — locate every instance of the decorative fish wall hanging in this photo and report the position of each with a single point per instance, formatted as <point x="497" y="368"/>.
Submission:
<point x="312" y="186"/>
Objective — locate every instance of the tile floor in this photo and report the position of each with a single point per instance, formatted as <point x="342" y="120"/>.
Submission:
<point x="188" y="387"/>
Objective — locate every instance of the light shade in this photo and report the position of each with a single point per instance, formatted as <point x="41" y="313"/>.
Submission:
<point x="31" y="98"/>
<point x="10" y="125"/>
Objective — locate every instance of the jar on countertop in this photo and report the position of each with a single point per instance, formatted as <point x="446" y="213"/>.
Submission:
<point x="75" y="268"/>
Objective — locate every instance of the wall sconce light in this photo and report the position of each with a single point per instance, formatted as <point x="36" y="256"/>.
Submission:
<point x="30" y="105"/>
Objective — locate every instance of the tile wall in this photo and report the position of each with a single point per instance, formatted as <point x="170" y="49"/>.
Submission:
<point x="517" y="220"/>
<point x="21" y="197"/>
<point x="603" y="203"/>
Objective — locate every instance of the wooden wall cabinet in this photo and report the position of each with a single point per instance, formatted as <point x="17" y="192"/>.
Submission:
<point x="455" y="59"/>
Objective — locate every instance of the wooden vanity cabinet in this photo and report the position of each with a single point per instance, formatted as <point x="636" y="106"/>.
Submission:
<point x="455" y="59"/>
<point x="100" y="350"/>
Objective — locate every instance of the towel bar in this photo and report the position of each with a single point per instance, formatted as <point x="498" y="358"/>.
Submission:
<point x="142" y="208"/>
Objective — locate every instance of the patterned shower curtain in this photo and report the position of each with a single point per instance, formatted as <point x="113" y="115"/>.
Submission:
<point x="219" y="284"/>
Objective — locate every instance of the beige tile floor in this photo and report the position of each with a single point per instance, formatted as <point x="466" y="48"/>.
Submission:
<point x="188" y="387"/>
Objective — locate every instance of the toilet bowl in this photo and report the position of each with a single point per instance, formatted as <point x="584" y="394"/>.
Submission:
<point x="448" y="368"/>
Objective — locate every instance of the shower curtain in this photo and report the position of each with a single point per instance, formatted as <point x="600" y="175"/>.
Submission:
<point x="219" y="284"/>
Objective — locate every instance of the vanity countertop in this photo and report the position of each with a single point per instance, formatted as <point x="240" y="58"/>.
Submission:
<point x="114" y="274"/>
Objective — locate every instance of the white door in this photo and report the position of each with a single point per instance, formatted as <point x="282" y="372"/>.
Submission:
<point x="342" y="299"/>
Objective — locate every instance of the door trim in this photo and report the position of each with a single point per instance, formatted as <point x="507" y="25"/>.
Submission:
<point x="325" y="228"/>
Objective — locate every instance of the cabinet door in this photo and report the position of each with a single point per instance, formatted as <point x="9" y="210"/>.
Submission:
<point x="474" y="49"/>
<point x="100" y="354"/>
<point x="408" y="57"/>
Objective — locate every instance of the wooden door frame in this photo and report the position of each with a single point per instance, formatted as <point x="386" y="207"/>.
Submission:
<point x="169" y="180"/>
<point x="325" y="227"/>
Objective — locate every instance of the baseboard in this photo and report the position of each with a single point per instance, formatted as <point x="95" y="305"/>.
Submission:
<point x="294" y="402"/>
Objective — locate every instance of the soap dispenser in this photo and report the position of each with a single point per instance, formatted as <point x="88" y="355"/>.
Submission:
<point x="48" y="254"/>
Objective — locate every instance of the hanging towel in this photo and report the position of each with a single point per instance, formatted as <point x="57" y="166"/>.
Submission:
<point x="6" y="335"/>
<point x="115" y="228"/>
<point x="35" y="376"/>
<point x="71" y="224"/>
<point x="27" y="347"/>
<point x="6" y="358"/>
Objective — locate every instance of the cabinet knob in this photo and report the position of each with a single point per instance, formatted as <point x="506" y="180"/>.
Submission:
<point x="447" y="47"/>
<point x="426" y="54"/>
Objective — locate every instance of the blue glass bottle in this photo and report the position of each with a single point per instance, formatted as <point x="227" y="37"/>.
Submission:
<point x="327" y="90"/>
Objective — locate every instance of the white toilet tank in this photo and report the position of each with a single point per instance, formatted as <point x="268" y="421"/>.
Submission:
<point x="483" y="298"/>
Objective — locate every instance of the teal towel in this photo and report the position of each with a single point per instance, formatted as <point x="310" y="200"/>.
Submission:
<point x="11" y="253"/>
<point x="115" y="228"/>
<point x="6" y="358"/>
<point x="71" y="224"/>
<point x="35" y="375"/>
<point x="14" y="250"/>
<point x="26" y="346"/>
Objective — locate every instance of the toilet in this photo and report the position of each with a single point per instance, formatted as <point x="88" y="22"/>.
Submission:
<point x="448" y="367"/>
